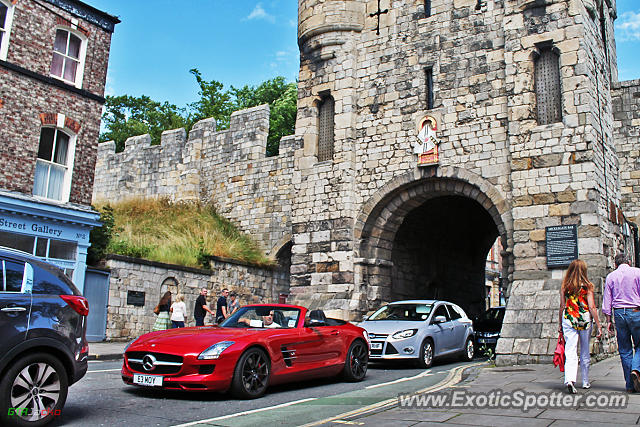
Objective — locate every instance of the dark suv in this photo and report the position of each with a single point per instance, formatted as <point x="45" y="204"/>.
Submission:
<point x="43" y="320"/>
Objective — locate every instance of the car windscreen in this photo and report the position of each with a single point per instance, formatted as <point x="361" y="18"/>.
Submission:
<point x="494" y="314"/>
<point x="409" y="312"/>
<point x="263" y="317"/>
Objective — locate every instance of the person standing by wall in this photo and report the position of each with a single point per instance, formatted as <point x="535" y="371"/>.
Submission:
<point x="577" y="311"/>
<point x="162" y="321"/>
<point x="221" y="309"/>
<point x="621" y="300"/>
<point x="178" y="312"/>
<point x="234" y="304"/>
<point x="200" y="310"/>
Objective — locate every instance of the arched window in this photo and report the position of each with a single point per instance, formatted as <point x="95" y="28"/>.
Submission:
<point x="6" y="16"/>
<point x="54" y="164"/>
<point x="325" y="128"/>
<point x="69" y="50"/>
<point x="547" y="85"/>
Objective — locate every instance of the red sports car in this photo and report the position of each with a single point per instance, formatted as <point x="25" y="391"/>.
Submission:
<point x="258" y="346"/>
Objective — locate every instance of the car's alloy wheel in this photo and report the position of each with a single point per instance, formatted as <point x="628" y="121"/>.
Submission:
<point x="355" y="367"/>
<point x="469" y="350"/>
<point x="251" y="377"/>
<point x="35" y="388"/>
<point x="426" y="354"/>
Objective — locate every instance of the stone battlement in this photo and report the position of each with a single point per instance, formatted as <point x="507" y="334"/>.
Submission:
<point x="228" y="168"/>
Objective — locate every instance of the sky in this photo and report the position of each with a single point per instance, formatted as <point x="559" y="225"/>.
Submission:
<point x="240" y="42"/>
<point x="236" y="42"/>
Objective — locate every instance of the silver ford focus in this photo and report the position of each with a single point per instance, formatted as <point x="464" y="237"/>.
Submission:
<point x="420" y="330"/>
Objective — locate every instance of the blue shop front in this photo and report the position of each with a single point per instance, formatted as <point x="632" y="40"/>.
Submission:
<point x="56" y="233"/>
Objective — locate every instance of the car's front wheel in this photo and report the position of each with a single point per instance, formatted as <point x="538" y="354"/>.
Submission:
<point x="469" y="350"/>
<point x="426" y="354"/>
<point x="355" y="365"/>
<point x="251" y="376"/>
<point x="33" y="390"/>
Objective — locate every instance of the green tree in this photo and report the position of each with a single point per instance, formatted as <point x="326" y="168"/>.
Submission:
<point x="126" y="116"/>
<point x="100" y="237"/>
<point x="281" y="97"/>
<point x="213" y="102"/>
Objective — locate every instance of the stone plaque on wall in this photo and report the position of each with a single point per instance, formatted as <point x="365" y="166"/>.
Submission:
<point x="562" y="245"/>
<point x="135" y="298"/>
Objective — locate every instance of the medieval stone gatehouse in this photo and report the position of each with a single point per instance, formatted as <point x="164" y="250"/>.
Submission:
<point x="523" y="127"/>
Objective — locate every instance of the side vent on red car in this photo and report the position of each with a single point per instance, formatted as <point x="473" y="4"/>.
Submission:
<point x="288" y="355"/>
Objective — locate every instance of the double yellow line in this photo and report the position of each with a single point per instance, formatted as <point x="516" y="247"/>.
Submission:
<point x="454" y="377"/>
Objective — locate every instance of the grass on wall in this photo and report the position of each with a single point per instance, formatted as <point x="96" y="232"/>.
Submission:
<point x="183" y="233"/>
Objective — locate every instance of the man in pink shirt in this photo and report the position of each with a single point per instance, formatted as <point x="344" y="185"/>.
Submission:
<point x="622" y="300"/>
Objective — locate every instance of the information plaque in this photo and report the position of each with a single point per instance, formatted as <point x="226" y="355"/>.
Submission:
<point x="135" y="298"/>
<point x="562" y="245"/>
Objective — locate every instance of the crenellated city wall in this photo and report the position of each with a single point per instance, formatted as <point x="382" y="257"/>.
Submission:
<point x="228" y="168"/>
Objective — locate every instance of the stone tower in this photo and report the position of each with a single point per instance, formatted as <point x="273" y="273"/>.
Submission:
<point x="517" y="95"/>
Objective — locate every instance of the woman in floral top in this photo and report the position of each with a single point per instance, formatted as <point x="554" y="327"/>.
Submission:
<point x="577" y="309"/>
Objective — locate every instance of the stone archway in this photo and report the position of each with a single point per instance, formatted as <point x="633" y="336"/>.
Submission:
<point x="426" y="235"/>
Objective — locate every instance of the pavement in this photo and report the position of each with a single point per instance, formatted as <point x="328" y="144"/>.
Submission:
<point x="537" y="381"/>
<point x="533" y="380"/>
<point x="106" y="350"/>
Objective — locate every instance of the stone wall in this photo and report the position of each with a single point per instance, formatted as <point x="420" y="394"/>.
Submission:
<point x="125" y="321"/>
<point x="527" y="176"/>
<point x="226" y="167"/>
<point x="626" y="102"/>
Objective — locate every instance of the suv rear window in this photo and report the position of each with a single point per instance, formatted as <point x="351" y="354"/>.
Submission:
<point x="13" y="273"/>
<point x="49" y="283"/>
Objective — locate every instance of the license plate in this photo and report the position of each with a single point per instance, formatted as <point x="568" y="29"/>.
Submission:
<point x="148" y="380"/>
<point x="376" y="346"/>
<point x="482" y="340"/>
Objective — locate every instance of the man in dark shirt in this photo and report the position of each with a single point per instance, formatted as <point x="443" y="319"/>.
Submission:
<point x="221" y="309"/>
<point x="201" y="307"/>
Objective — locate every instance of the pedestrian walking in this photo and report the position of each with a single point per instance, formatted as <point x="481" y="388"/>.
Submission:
<point x="221" y="309"/>
<point x="621" y="300"/>
<point x="200" y="310"/>
<point x="178" y="312"/>
<point x="234" y="304"/>
<point x="577" y="311"/>
<point x="162" y="310"/>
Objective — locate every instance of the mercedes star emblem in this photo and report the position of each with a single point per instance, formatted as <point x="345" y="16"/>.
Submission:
<point x="149" y="362"/>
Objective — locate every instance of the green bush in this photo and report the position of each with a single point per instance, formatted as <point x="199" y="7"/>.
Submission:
<point x="101" y="236"/>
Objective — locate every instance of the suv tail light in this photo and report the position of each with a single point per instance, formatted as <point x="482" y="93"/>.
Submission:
<point x="78" y="303"/>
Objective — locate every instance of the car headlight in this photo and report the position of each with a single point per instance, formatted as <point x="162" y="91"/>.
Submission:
<point x="404" y="334"/>
<point x="366" y="336"/>
<point x="215" y="350"/>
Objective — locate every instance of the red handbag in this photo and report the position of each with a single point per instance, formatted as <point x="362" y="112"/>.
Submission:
<point x="558" y="355"/>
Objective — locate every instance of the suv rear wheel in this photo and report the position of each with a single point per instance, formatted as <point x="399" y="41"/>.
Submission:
<point x="33" y="390"/>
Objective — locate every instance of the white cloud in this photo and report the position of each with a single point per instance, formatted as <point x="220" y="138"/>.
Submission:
<point x="109" y="86"/>
<point x="258" y="12"/>
<point x="287" y="54"/>
<point x="628" y="27"/>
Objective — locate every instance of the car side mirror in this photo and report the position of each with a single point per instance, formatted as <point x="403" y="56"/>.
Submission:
<point x="439" y="319"/>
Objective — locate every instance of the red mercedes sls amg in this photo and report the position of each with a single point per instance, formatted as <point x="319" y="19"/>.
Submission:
<point x="258" y="346"/>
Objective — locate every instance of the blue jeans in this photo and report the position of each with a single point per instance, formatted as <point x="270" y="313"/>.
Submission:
<point x="199" y="321"/>
<point x="177" y="324"/>
<point x="628" y="327"/>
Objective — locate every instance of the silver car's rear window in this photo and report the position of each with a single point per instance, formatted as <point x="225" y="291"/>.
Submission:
<point x="410" y="312"/>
